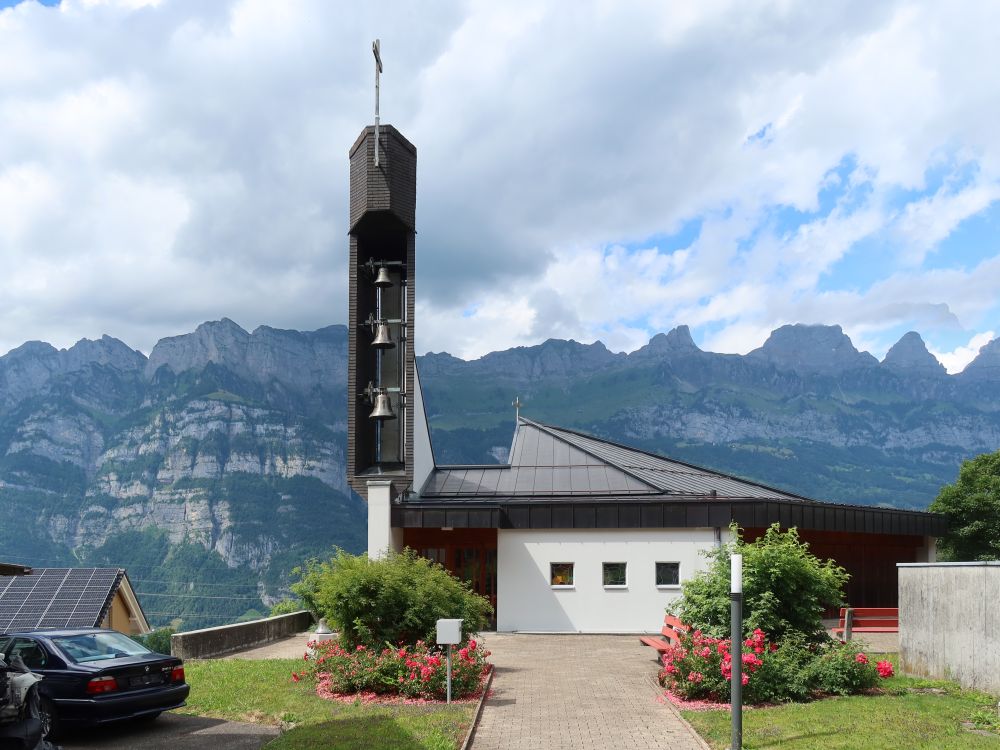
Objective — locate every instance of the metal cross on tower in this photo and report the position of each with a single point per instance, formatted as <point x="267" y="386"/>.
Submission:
<point x="378" y="71"/>
<point x="517" y="408"/>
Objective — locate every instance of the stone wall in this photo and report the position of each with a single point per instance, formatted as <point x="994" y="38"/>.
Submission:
<point x="226" y="639"/>
<point x="948" y="622"/>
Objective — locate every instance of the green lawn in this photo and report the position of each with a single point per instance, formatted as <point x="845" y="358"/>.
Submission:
<point x="913" y="715"/>
<point x="262" y="692"/>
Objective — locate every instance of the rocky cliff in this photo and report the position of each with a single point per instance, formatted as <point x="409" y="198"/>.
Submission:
<point x="227" y="446"/>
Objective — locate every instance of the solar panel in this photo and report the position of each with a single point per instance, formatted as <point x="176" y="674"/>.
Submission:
<point x="57" y="597"/>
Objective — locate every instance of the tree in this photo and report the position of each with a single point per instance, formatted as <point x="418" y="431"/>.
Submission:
<point x="785" y="588"/>
<point x="972" y="506"/>
<point x="395" y="599"/>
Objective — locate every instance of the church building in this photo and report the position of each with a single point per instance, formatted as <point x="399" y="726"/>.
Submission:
<point x="575" y="533"/>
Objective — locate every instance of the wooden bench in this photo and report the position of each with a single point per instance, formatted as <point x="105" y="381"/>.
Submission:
<point x="670" y="634"/>
<point x="867" y="620"/>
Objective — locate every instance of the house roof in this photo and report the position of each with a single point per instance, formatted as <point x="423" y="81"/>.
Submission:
<point x="562" y="479"/>
<point x="63" y="598"/>
<point x="548" y="462"/>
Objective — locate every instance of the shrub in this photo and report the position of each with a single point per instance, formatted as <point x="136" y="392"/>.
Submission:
<point x="785" y="588"/>
<point x="414" y="672"/>
<point x="287" y="606"/>
<point x="397" y="599"/>
<point x="699" y="667"/>
<point x="842" y="669"/>
<point x="157" y="640"/>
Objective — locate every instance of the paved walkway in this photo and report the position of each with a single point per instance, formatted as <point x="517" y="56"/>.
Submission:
<point x="291" y="647"/>
<point x="577" y="692"/>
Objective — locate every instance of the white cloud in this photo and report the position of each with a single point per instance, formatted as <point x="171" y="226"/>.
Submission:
<point x="956" y="360"/>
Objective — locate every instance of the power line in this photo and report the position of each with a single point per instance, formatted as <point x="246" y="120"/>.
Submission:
<point x="175" y="616"/>
<point x="198" y="596"/>
<point x="196" y="583"/>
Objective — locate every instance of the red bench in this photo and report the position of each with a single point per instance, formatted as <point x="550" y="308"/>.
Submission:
<point x="670" y="632"/>
<point x="867" y="620"/>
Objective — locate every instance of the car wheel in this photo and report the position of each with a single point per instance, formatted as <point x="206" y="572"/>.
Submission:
<point x="50" y="721"/>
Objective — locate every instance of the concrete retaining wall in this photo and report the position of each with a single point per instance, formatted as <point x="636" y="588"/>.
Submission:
<point x="949" y="622"/>
<point x="227" y="639"/>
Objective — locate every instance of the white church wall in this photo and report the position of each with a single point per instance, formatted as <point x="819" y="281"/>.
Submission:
<point x="423" y="451"/>
<point x="382" y="536"/>
<point x="526" y="600"/>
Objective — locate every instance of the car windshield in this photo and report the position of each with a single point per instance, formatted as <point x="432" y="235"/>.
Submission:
<point x="96" y="646"/>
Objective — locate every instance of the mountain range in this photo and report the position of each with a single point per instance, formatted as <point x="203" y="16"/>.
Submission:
<point x="215" y="465"/>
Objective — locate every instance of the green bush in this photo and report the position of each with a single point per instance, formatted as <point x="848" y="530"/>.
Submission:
<point x="397" y="599"/>
<point x="287" y="606"/>
<point x="158" y="640"/>
<point x="785" y="588"/>
<point x="841" y="669"/>
<point x="700" y="667"/>
<point x="413" y="671"/>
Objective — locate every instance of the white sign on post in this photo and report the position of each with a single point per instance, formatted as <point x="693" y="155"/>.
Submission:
<point x="449" y="632"/>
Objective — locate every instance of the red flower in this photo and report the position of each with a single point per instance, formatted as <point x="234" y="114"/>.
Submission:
<point x="295" y="677"/>
<point x="861" y="659"/>
<point x="884" y="669"/>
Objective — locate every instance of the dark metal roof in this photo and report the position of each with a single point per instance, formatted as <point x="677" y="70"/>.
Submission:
<point x="559" y="478"/>
<point x="663" y="512"/>
<point x="550" y="462"/>
<point x="57" y="598"/>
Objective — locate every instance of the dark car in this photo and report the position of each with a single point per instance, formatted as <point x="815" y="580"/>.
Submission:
<point x="93" y="675"/>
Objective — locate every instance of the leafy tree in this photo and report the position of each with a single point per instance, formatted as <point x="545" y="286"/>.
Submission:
<point x="395" y="599"/>
<point x="785" y="588"/>
<point x="972" y="506"/>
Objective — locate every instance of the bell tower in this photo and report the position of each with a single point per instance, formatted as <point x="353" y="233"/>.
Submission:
<point x="381" y="380"/>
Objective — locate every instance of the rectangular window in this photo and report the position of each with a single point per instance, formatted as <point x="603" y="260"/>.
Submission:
<point x="668" y="574"/>
<point x="561" y="574"/>
<point x="614" y="574"/>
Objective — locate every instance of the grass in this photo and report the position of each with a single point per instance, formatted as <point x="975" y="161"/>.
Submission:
<point x="262" y="692"/>
<point x="913" y="714"/>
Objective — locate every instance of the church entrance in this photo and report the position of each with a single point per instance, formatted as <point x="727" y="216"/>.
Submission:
<point x="468" y="554"/>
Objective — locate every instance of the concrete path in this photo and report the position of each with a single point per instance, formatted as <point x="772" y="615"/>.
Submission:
<point x="876" y="643"/>
<point x="291" y="647"/>
<point x="577" y="692"/>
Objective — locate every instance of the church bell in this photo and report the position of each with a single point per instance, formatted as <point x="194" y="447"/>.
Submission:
<point x="382" y="338"/>
<point x="382" y="280"/>
<point x="383" y="408"/>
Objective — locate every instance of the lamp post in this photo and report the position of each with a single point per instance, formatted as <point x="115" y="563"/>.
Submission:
<point x="736" y="650"/>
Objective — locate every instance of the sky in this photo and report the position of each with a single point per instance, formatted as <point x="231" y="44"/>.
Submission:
<point x="596" y="170"/>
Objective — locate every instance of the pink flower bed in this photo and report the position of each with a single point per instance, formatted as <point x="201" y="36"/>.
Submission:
<point x="405" y="674"/>
<point x="698" y="670"/>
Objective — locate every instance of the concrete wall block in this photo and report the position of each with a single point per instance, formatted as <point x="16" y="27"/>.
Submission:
<point x="209" y="643"/>
<point x="948" y="627"/>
